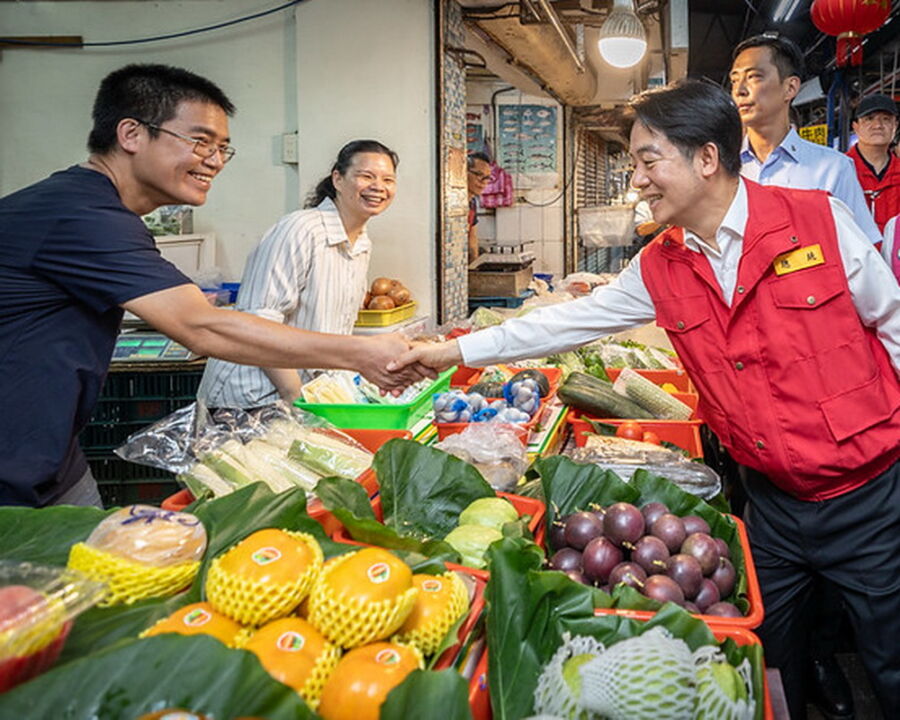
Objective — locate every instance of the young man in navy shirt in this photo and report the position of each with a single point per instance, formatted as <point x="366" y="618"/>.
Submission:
<point x="74" y="254"/>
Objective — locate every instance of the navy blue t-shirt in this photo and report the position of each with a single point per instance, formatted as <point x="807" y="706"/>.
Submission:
<point x="70" y="254"/>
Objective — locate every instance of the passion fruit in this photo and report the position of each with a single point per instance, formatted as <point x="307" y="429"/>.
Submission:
<point x="442" y="600"/>
<point x="295" y="653"/>
<point x="264" y="576"/>
<point x="364" y="677"/>
<point x="198" y="619"/>
<point x="362" y="596"/>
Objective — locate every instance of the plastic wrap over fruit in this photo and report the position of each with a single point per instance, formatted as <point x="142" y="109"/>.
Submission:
<point x="150" y="536"/>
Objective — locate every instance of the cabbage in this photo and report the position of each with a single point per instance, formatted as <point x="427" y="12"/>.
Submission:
<point x="491" y="512"/>
<point x="471" y="542"/>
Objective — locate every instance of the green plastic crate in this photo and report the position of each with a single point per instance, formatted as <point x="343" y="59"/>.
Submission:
<point x="383" y="417"/>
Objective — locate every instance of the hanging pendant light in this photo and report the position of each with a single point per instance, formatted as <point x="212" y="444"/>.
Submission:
<point x="623" y="39"/>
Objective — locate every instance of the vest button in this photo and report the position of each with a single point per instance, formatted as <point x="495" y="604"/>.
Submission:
<point x="794" y="239"/>
<point x="740" y="289"/>
<point x="760" y="444"/>
<point x="666" y="243"/>
<point x="739" y="365"/>
<point x="811" y="300"/>
<point x="680" y="325"/>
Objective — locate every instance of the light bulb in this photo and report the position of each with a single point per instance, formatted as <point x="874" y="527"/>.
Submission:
<point x="623" y="39"/>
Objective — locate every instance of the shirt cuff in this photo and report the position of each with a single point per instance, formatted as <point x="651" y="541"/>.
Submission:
<point x="479" y="348"/>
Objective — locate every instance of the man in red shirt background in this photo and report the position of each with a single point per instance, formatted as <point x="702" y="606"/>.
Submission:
<point x="877" y="167"/>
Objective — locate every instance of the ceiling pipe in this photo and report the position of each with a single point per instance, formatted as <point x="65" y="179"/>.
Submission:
<point x="561" y="31"/>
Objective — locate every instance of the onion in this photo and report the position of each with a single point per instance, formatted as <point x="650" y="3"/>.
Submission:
<point x="365" y="302"/>
<point x="400" y="295"/>
<point x="381" y="286"/>
<point x="381" y="302"/>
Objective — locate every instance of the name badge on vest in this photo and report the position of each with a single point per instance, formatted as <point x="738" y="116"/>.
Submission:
<point x="798" y="259"/>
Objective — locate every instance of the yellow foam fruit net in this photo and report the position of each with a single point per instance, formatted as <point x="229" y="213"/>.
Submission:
<point x="252" y="602"/>
<point x="129" y="581"/>
<point x="349" y="622"/>
<point x="441" y="602"/>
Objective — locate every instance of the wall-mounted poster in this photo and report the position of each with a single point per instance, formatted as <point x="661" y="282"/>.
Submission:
<point x="475" y="128"/>
<point x="528" y="144"/>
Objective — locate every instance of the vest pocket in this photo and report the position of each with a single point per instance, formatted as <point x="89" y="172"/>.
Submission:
<point x="852" y="411"/>
<point x="808" y="289"/>
<point x="682" y="314"/>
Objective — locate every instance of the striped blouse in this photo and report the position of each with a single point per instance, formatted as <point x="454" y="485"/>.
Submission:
<point x="305" y="274"/>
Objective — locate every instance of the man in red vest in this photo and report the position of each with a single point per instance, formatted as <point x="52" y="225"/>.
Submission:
<point x="877" y="168"/>
<point x="789" y="324"/>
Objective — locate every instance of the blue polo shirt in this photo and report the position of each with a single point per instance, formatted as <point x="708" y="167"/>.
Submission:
<point x="70" y="254"/>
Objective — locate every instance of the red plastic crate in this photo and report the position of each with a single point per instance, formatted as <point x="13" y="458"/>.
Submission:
<point x="755" y="613"/>
<point x="553" y="375"/>
<point x="685" y="435"/>
<point x="476" y="607"/>
<point x="480" y="696"/>
<point x="524" y="505"/>
<point x="465" y="376"/>
<point x="370" y="439"/>
<point x="679" y="378"/>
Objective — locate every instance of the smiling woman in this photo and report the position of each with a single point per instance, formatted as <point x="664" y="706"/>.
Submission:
<point x="309" y="271"/>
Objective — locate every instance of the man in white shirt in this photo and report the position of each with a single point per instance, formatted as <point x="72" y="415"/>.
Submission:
<point x="775" y="301"/>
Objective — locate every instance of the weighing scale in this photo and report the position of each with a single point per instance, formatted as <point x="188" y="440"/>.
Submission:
<point x="149" y="347"/>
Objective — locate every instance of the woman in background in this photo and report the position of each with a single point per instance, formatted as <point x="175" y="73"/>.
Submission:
<point x="309" y="271"/>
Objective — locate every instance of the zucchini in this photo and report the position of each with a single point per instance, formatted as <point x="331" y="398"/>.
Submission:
<point x="596" y="397"/>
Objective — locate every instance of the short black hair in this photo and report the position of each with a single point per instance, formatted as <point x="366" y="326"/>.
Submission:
<point x="786" y="54"/>
<point x="690" y="113"/>
<point x="473" y="156"/>
<point x="150" y="93"/>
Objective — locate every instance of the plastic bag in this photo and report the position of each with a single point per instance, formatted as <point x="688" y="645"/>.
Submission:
<point x="150" y="536"/>
<point x="496" y="451"/>
<point x="37" y="606"/>
<point x="624" y="457"/>
<point x="214" y="455"/>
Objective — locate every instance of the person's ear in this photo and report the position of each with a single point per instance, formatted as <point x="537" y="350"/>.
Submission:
<point x="336" y="177"/>
<point x="129" y="135"/>
<point x="791" y="88"/>
<point x="707" y="159"/>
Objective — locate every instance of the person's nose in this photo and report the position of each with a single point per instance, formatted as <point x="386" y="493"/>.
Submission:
<point x="738" y="88"/>
<point x="639" y="179"/>
<point x="215" y="160"/>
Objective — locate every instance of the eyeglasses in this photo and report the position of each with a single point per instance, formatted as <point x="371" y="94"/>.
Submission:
<point x="202" y="148"/>
<point x="483" y="177"/>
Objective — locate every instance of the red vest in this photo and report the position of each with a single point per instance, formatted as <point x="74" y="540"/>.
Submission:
<point x="882" y="196"/>
<point x="790" y="380"/>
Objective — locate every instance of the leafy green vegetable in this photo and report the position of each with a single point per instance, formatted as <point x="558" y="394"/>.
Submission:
<point x="445" y="692"/>
<point x="140" y="676"/>
<point x="424" y="490"/>
<point x="491" y="512"/>
<point x="471" y="542"/>
<point x="530" y="609"/>
<point x="45" y="535"/>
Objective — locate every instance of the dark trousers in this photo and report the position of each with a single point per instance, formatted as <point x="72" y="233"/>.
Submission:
<point x="853" y="541"/>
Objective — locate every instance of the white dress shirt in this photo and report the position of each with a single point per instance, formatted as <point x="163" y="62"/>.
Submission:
<point x="626" y="303"/>
<point x="804" y="165"/>
<point x="304" y="273"/>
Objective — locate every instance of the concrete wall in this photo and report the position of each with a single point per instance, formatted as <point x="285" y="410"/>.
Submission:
<point x="333" y="69"/>
<point x="366" y="70"/>
<point x="47" y="96"/>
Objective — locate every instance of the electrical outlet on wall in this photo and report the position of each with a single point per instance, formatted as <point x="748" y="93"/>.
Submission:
<point x="290" y="152"/>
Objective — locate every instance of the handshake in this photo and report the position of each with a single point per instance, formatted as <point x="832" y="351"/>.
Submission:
<point x="394" y="363"/>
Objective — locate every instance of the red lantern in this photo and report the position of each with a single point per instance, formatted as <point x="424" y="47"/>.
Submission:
<point x="849" y="20"/>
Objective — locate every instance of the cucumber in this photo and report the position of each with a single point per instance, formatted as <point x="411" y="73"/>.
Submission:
<point x="596" y="397"/>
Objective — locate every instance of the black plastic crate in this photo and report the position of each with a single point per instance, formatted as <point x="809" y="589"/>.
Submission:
<point x="121" y="482"/>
